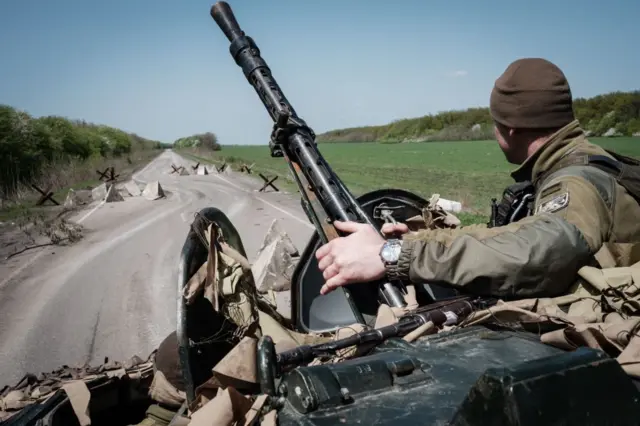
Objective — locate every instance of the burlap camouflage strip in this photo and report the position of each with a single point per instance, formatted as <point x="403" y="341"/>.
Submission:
<point x="596" y="318"/>
<point x="33" y="388"/>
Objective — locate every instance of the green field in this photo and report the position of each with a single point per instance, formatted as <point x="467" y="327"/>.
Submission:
<point x="470" y="172"/>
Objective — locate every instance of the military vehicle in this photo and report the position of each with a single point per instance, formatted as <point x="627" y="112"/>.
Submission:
<point x="489" y="373"/>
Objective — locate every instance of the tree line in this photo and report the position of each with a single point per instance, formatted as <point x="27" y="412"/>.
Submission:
<point x="611" y="114"/>
<point x="205" y="141"/>
<point x="29" y="145"/>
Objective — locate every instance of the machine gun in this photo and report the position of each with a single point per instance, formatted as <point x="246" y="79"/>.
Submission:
<point x="448" y="312"/>
<point x="325" y="198"/>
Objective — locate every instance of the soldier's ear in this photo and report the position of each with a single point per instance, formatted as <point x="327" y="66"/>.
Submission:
<point x="504" y="130"/>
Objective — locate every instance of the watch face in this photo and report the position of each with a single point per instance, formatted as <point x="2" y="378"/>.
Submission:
<point x="390" y="251"/>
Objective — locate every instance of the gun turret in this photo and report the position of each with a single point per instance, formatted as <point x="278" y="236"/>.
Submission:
<point x="325" y="198"/>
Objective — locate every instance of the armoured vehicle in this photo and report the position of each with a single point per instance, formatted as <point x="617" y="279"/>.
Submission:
<point x="428" y="365"/>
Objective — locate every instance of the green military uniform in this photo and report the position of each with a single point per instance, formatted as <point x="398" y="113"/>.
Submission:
<point x="581" y="216"/>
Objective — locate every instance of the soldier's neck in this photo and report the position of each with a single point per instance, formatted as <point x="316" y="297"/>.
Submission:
<point x="536" y="144"/>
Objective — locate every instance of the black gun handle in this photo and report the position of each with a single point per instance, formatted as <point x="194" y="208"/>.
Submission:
<point x="223" y="15"/>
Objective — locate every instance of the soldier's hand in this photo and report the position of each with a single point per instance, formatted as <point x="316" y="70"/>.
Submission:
<point x="351" y="259"/>
<point x="394" y="229"/>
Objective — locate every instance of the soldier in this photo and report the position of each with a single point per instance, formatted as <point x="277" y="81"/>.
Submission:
<point x="581" y="215"/>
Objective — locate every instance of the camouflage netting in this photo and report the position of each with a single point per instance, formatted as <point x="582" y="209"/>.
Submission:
<point x="74" y="381"/>
<point x="226" y="280"/>
<point x="601" y="312"/>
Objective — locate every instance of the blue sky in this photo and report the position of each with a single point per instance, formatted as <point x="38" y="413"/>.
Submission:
<point x="162" y="68"/>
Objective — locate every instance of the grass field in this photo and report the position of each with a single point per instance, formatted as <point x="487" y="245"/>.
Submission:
<point x="470" y="172"/>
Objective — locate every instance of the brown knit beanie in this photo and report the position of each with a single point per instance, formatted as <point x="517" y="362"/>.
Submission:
<point x="532" y="93"/>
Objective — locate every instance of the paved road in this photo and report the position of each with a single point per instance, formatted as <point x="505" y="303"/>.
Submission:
<point x="114" y="293"/>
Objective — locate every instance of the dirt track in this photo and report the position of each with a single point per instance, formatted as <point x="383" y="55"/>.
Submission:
<point x="113" y="294"/>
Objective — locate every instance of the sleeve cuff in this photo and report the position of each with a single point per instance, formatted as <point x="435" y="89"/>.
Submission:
<point x="400" y="271"/>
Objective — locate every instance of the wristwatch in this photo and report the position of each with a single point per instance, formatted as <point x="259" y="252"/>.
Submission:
<point x="390" y="255"/>
<point x="390" y="252"/>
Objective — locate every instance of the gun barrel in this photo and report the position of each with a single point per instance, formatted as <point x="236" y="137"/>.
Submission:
<point x="301" y="145"/>
<point x="223" y="15"/>
<point x="439" y="313"/>
<point x="293" y="138"/>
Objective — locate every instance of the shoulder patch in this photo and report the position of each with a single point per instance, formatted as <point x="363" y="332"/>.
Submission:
<point x="551" y="189"/>
<point x="558" y="202"/>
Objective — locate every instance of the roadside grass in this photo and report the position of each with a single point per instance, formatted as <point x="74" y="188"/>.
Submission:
<point x="61" y="177"/>
<point x="471" y="172"/>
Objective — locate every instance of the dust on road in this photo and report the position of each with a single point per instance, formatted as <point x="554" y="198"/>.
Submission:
<point x="113" y="294"/>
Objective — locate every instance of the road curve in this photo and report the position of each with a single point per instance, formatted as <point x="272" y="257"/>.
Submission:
<point x="113" y="294"/>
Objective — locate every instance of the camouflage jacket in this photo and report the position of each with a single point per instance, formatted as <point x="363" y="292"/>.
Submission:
<point x="582" y="216"/>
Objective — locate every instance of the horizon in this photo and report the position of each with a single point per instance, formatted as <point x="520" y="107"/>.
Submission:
<point x="163" y="70"/>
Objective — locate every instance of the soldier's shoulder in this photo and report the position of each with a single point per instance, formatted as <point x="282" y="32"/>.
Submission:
<point x="586" y="146"/>
<point x="568" y="179"/>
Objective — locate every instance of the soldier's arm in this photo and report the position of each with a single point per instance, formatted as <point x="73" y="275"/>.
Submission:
<point x="535" y="257"/>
